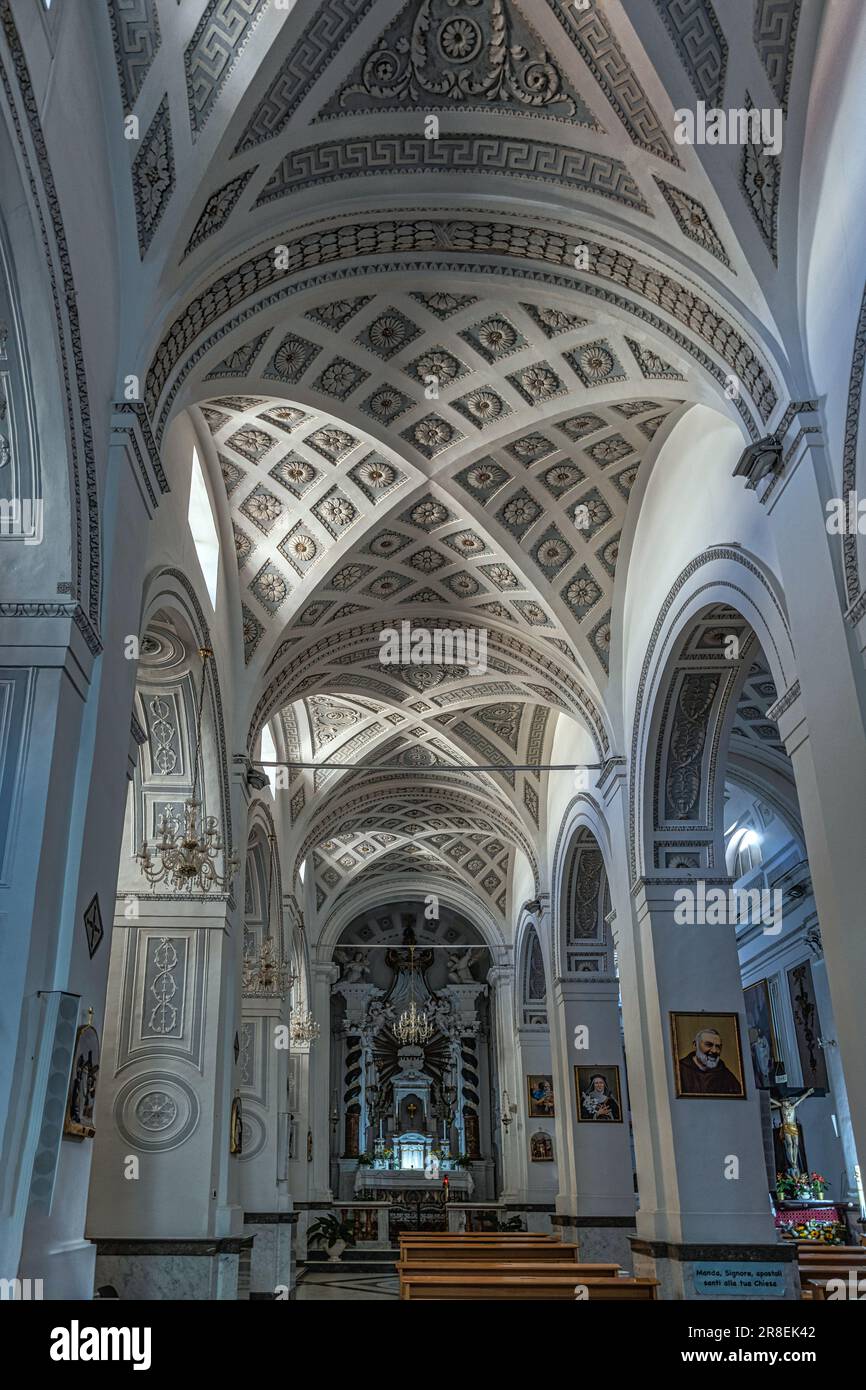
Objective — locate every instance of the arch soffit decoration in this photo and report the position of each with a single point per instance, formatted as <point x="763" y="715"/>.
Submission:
<point x="453" y="895"/>
<point x="580" y="868"/>
<point x="167" y="588"/>
<point x="750" y="597"/>
<point x="25" y="166"/>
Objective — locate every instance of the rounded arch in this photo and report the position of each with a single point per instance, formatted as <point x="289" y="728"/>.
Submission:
<point x="262" y="833"/>
<point x="167" y="589"/>
<point x="532" y="976"/>
<point x="723" y="606"/>
<point x="42" y="362"/>
<point x="580" y="891"/>
<point x="454" y="895"/>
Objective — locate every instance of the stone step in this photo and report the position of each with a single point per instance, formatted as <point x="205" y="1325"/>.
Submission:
<point x="360" y="1261"/>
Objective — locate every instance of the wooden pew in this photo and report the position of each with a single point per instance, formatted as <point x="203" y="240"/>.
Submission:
<point x="532" y="1268"/>
<point x="513" y="1236"/>
<point x="507" y="1287"/>
<point x="853" y="1254"/>
<point x="837" y="1251"/>
<point x="545" y="1251"/>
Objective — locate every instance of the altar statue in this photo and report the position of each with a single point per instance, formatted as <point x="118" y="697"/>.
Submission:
<point x="355" y="967"/>
<point x="459" y="963"/>
<point x="788" y="1126"/>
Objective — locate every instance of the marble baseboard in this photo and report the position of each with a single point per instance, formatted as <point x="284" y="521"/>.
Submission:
<point x="170" y="1278"/>
<point x="273" y="1263"/>
<point x="603" y="1244"/>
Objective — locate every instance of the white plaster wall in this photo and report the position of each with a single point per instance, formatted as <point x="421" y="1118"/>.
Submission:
<point x="832" y="229"/>
<point x="691" y="503"/>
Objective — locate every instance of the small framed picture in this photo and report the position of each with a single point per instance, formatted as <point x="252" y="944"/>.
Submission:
<point x="540" y="1147"/>
<point x="599" y="1100"/>
<point x="82" y="1083"/>
<point x="236" y="1127"/>
<point x="708" y="1062"/>
<point x="540" y="1097"/>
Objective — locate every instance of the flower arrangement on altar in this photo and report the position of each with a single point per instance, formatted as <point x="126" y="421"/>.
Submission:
<point x="817" y="1232"/>
<point x="790" y="1186"/>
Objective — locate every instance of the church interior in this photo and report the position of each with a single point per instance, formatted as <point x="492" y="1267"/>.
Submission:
<point x="433" y="626"/>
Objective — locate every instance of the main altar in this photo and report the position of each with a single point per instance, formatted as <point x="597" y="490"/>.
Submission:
<point x="412" y="1112"/>
<point x="415" y="1162"/>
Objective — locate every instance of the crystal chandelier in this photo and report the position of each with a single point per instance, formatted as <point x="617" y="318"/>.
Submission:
<point x="413" y="1026"/>
<point x="302" y="1026"/>
<point x="266" y="976"/>
<point x="186" y="857"/>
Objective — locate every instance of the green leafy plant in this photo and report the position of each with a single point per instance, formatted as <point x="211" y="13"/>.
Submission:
<point x="790" y="1186"/>
<point x="462" y="1161"/>
<point x="514" y="1223"/>
<point x="327" y="1230"/>
<point x="366" y="1160"/>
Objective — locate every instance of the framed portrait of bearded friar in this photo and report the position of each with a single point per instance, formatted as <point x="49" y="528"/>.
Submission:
<point x="707" y="1058"/>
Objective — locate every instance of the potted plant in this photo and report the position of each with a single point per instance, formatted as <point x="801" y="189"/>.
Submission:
<point x="366" y="1160"/>
<point x="514" y="1223"/>
<point x="799" y="1186"/>
<point x="333" y="1233"/>
<point x="817" y="1184"/>
<point x="462" y="1161"/>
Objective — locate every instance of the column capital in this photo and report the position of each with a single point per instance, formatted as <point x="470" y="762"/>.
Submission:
<point x="587" y="985"/>
<point x="130" y="431"/>
<point x="613" y="775"/>
<point x="325" y="972"/>
<point x="768" y="464"/>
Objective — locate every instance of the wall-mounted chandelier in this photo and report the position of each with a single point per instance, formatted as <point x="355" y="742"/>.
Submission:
<point x="303" y="1028"/>
<point x="413" y="1025"/>
<point x="267" y="975"/>
<point x="186" y="854"/>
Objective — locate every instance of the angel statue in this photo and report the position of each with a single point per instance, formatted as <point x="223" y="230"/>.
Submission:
<point x="355" y="966"/>
<point x="459" y="967"/>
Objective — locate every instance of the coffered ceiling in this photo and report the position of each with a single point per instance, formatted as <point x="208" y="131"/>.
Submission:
<point x="439" y="282"/>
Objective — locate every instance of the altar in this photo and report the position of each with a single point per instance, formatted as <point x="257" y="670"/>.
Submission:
<point x="396" y="1182"/>
<point x="413" y="1161"/>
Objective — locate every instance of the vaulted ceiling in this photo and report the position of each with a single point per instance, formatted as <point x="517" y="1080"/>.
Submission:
<point x="435" y="281"/>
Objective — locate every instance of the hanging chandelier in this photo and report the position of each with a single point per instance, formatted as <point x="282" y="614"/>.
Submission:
<point x="186" y="855"/>
<point x="413" y="1025"/>
<point x="267" y="975"/>
<point x="264" y="975"/>
<point x="303" y="1028"/>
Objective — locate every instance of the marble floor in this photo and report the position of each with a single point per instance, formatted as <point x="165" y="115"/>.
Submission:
<point x="343" y="1284"/>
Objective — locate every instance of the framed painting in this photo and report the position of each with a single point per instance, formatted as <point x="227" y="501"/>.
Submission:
<point x="540" y="1147"/>
<point x="807" y="1026"/>
<point x="78" y="1121"/>
<point x="540" y="1097"/>
<point x="761" y="1033"/>
<point x="708" y="1061"/>
<point x="598" y="1095"/>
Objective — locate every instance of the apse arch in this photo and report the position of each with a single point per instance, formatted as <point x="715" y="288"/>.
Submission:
<point x="455" y="896"/>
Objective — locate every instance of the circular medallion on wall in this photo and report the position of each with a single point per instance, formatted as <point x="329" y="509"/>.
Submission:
<point x="156" y="1112"/>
